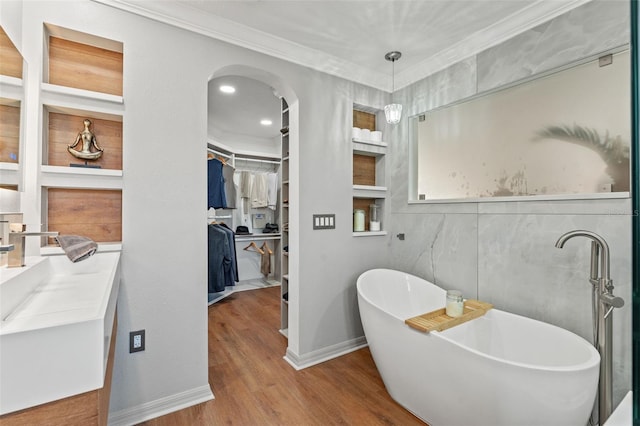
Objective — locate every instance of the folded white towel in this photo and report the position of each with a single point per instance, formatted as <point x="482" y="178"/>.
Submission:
<point x="76" y="247"/>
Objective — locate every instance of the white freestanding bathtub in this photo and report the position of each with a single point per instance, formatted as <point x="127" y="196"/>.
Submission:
<point x="499" y="369"/>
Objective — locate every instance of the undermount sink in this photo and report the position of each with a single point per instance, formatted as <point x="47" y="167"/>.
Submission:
<point x="56" y="321"/>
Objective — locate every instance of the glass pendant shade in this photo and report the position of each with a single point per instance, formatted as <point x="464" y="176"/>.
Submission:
<point x="393" y="112"/>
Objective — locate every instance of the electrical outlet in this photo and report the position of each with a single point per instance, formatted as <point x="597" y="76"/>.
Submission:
<point x="136" y="341"/>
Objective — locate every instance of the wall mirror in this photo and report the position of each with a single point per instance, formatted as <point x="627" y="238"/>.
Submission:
<point x="12" y="70"/>
<point x="563" y="134"/>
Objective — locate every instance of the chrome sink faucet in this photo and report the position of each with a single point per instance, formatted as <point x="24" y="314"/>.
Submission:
<point x="16" y="238"/>
<point x="603" y="302"/>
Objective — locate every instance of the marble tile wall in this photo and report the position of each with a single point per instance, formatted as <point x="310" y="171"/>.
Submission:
<point x="503" y="252"/>
<point x="596" y="27"/>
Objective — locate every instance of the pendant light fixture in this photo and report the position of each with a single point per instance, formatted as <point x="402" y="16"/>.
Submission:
<point x="393" y="112"/>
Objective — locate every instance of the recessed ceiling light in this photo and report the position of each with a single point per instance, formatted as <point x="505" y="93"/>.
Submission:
<point x="266" y="122"/>
<point x="227" y="89"/>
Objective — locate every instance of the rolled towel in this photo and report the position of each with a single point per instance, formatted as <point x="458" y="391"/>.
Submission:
<point x="76" y="247"/>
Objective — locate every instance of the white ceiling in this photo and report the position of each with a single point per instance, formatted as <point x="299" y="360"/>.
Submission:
<point x="349" y="38"/>
<point x="240" y="113"/>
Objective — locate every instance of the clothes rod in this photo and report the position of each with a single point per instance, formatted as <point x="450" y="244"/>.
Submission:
<point x="218" y="152"/>
<point x="255" y="160"/>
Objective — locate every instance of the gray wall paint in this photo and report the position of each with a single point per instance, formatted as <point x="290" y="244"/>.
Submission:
<point x="503" y="252"/>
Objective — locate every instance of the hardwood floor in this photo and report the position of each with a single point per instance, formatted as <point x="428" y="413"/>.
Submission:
<point x="254" y="385"/>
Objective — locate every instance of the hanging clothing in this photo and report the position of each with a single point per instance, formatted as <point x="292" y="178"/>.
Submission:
<point x="259" y="191"/>
<point x="229" y="186"/>
<point x="245" y="189"/>
<point x="265" y="263"/>
<point x="272" y="190"/>
<point x="223" y="266"/>
<point x="231" y="236"/>
<point x="216" y="196"/>
<point x="219" y="259"/>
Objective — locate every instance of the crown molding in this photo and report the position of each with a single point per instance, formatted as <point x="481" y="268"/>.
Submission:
<point x="185" y="17"/>
<point x="188" y="18"/>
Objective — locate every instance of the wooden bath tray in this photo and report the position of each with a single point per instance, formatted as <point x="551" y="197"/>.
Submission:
<point x="438" y="321"/>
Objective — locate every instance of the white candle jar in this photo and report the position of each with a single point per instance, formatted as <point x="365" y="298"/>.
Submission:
<point x="358" y="220"/>
<point x="455" y="304"/>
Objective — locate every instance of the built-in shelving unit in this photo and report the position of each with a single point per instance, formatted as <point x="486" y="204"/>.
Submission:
<point x="82" y="79"/>
<point x="369" y="186"/>
<point x="237" y="215"/>
<point x="284" y="197"/>
<point x="12" y="89"/>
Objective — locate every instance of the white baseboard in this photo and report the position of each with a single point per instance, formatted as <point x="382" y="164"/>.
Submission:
<point x="160" y="407"/>
<point x="324" y="354"/>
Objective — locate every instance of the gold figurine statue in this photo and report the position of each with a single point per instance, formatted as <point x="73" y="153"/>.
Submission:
<point x="88" y="139"/>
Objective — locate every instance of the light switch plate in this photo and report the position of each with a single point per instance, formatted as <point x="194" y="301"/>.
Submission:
<point x="324" y="221"/>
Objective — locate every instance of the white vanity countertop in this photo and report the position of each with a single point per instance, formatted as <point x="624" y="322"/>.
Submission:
<point x="61" y="299"/>
<point x="56" y="328"/>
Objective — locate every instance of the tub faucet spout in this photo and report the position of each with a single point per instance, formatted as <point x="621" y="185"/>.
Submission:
<point x="603" y="302"/>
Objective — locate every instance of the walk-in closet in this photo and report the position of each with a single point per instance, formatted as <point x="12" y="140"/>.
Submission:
<point x="244" y="200"/>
